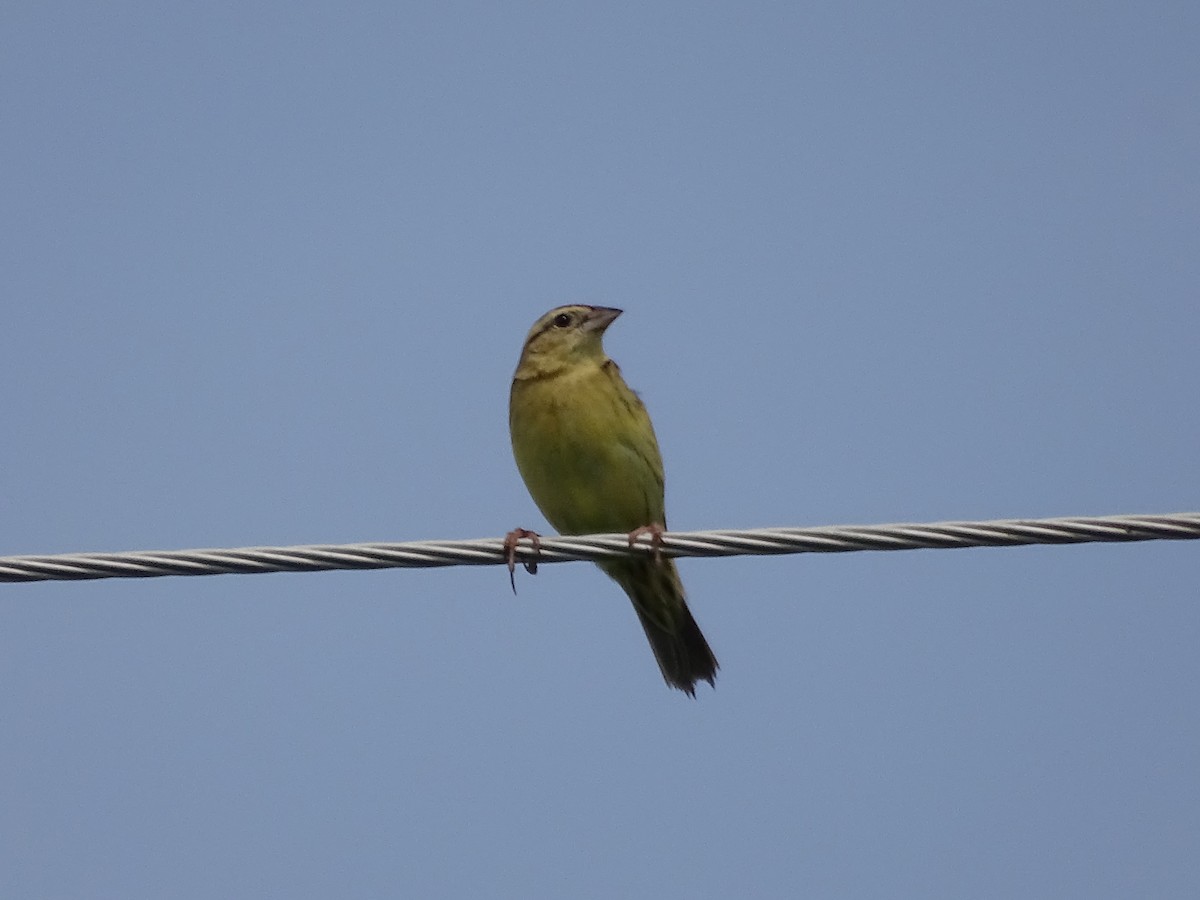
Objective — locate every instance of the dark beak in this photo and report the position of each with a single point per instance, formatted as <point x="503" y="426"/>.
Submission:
<point x="600" y="317"/>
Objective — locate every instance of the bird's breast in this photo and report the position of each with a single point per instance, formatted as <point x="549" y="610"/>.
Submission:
<point x="588" y="457"/>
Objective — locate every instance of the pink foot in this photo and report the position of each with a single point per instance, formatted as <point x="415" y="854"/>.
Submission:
<point x="510" y="553"/>
<point x="656" y="535"/>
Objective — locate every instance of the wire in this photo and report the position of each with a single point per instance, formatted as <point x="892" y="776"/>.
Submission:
<point x="491" y="551"/>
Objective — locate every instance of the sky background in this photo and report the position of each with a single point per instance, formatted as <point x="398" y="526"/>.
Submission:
<point x="266" y="272"/>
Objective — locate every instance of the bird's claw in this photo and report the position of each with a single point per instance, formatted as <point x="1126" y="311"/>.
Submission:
<point x="656" y="538"/>
<point x="511" y="540"/>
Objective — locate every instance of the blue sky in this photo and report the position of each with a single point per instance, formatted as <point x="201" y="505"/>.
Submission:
<point x="267" y="269"/>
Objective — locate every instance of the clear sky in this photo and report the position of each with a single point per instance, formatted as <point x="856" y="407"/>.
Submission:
<point x="267" y="268"/>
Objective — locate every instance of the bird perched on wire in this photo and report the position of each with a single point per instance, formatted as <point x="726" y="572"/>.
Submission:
<point x="586" y="449"/>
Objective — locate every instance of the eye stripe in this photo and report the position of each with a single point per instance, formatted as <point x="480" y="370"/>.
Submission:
<point x="549" y="325"/>
<point x="537" y="334"/>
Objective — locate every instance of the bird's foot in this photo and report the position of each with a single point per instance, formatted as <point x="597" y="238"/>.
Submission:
<point x="656" y="532"/>
<point x="511" y="540"/>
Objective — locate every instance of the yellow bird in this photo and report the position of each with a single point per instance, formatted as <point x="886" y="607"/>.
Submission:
<point x="587" y="452"/>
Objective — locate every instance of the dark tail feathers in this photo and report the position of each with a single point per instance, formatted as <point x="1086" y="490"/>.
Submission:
<point x="679" y="646"/>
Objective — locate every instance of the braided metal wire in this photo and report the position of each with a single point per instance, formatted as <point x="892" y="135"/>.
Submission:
<point x="491" y="551"/>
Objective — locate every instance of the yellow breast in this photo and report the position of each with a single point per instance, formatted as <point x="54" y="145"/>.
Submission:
<point x="587" y="451"/>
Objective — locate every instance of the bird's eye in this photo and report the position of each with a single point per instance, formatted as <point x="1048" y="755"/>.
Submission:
<point x="562" y="320"/>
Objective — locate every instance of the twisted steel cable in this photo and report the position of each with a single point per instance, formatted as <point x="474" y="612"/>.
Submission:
<point x="491" y="551"/>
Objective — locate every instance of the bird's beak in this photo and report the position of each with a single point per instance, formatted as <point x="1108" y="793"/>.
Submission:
<point x="600" y="317"/>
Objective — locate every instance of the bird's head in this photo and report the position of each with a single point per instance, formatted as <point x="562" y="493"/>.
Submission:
<point x="565" y="337"/>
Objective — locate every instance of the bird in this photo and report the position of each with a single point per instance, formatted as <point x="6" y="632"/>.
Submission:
<point x="586" y="450"/>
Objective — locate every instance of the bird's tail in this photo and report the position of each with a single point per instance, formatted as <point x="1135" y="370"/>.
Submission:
<point x="679" y="646"/>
